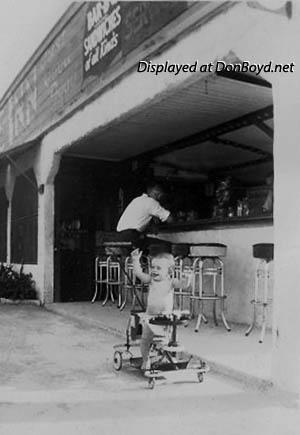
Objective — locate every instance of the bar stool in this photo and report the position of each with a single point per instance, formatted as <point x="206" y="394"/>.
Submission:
<point x="116" y="253"/>
<point x="115" y="280"/>
<point x="132" y="283"/>
<point x="264" y="252"/>
<point x="181" y="252"/>
<point x="129" y="280"/>
<point x="207" y="262"/>
<point x="101" y="274"/>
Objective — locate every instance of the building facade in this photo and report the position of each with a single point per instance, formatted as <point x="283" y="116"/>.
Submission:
<point x="121" y="89"/>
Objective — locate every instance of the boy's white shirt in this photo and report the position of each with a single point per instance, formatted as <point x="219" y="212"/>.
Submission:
<point x="139" y="212"/>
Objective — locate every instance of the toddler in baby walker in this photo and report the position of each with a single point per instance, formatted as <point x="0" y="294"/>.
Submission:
<point x="160" y="296"/>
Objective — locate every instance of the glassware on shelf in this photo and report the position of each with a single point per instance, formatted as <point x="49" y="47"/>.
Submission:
<point x="230" y="212"/>
<point x="239" y="208"/>
<point x="245" y="206"/>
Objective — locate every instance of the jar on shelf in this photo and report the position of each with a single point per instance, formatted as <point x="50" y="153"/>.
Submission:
<point x="239" y="208"/>
<point x="246" y="206"/>
<point x="230" y="212"/>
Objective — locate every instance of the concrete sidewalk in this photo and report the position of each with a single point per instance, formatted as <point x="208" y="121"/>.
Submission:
<point x="230" y="353"/>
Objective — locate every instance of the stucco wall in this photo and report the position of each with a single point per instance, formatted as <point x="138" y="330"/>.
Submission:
<point x="239" y="265"/>
<point x="258" y="37"/>
<point x="45" y="166"/>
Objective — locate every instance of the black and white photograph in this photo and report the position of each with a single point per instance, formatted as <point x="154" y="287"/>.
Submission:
<point x="149" y="250"/>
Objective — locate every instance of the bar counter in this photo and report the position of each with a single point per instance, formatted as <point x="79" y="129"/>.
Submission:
<point x="239" y="234"/>
<point x="218" y="223"/>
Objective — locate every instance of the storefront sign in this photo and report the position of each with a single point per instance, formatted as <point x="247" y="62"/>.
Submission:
<point x="22" y="106"/>
<point x="142" y="19"/>
<point x="59" y="72"/>
<point x="101" y="42"/>
<point x="96" y="37"/>
<point x="48" y="87"/>
<point x="113" y="29"/>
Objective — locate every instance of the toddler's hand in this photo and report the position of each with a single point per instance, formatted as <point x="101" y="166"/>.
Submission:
<point x="187" y="276"/>
<point x="187" y="273"/>
<point x="136" y="254"/>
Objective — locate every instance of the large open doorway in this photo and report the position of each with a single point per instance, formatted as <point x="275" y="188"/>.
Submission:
<point x="90" y="195"/>
<point x="204" y="130"/>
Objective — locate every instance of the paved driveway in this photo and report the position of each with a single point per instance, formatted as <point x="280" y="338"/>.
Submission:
<point x="42" y="350"/>
<point x="57" y="378"/>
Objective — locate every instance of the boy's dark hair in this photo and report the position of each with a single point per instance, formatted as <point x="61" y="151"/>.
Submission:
<point x="154" y="185"/>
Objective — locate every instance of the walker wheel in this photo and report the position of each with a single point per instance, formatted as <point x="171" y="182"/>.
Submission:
<point x="118" y="360"/>
<point x="200" y="377"/>
<point x="151" y="383"/>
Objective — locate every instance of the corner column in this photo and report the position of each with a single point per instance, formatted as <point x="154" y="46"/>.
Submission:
<point x="9" y="190"/>
<point x="46" y="169"/>
<point x="286" y="324"/>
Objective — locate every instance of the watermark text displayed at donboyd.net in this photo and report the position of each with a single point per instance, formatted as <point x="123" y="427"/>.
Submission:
<point x="144" y="66"/>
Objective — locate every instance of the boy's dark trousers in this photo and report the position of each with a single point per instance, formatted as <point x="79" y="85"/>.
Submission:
<point x="148" y="245"/>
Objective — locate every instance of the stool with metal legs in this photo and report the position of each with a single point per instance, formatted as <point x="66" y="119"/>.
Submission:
<point x="114" y="281"/>
<point x="139" y="285"/>
<point x="207" y="262"/>
<point x="178" y="273"/>
<point x="116" y="252"/>
<point x="180" y="295"/>
<point x="121" y="280"/>
<point x="101" y="275"/>
<point x="264" y="252"/>
<point x="131" y="282"/>
<point x="182" y="267"/>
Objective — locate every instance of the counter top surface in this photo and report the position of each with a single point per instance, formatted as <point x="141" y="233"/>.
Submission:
<point x="218" y="223"/>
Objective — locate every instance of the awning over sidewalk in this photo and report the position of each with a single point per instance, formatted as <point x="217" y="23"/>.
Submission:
<point x="215" y="124"/>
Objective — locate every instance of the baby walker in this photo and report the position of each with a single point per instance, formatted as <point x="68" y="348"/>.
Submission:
<point x="166" y="357"/>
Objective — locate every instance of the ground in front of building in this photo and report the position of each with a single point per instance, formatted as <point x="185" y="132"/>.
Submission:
<point x="57" y="378"/>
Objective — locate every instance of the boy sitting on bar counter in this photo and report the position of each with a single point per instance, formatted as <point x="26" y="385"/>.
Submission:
<point x="135" y="220"/>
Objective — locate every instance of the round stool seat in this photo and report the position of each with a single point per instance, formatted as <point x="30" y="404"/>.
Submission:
<point x="208" y="266"/>
<point x="117" y="248"/>
<point x="208" y="250"/>
<point x="101" y="251"/>
<point x="159" y="247"/>
<point x="180" y="249"/>
<point x="265" y="251"/>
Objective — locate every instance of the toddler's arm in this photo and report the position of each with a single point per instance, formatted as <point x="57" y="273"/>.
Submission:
<point x="137" y="269"/>
<point x="185" y="282"/>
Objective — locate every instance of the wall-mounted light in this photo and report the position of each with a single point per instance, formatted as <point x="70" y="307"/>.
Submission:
<point x="41" y="189"/>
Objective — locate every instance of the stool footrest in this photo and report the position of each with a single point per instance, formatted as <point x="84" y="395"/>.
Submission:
<point x="115" y="282"/>
<point x="208" y="297"/>
<point x="269" y="302"/>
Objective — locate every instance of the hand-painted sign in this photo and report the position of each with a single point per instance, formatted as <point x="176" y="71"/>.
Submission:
<point x="113" y="29"/>
<point x="142" y="19"/>
<point x="95" y="37"/>
<point x="23" y="105"/>
<point x="101" y="42"/>
<point x="47" y="88"/>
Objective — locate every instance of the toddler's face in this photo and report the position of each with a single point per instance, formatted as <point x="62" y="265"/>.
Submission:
<point x="160" y="269"/>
